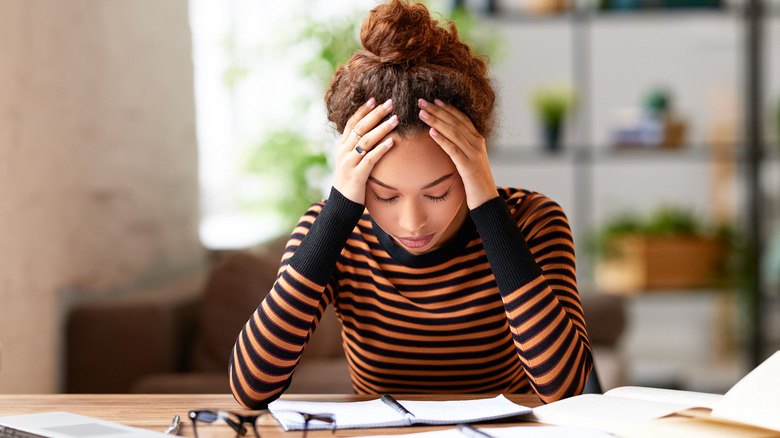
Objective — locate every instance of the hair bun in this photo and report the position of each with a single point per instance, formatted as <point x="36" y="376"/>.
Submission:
<point x="401" y="33"/>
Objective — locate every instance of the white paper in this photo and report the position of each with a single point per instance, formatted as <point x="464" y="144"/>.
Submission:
<point x="375" y="413"/>
<point x="755" y="399"/>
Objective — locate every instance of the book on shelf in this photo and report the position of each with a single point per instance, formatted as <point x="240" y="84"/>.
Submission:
<point x="749" y="408"/>
<point x="389" y="412"/>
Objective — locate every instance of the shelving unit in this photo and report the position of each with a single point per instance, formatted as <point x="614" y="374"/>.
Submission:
<point x="572" y="43"/>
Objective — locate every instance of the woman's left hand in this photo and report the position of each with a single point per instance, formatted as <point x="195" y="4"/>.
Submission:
<point x="454" y="132"/>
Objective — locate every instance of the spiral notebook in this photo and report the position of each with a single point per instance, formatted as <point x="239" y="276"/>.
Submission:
<point x="388" y="412"/>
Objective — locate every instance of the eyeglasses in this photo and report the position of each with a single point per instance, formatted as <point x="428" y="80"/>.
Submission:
<point x="235" y="420"/>
<point x="327" y="418"/>
<point x="238" y="421"/>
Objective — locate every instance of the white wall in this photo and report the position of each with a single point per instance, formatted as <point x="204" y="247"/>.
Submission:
<point x="98" y="166"/>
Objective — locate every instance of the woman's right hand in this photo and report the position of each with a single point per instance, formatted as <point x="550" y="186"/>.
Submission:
<point x="360" y="148"/>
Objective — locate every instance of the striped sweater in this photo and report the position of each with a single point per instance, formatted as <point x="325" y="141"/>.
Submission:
<point x="496" y="309"/>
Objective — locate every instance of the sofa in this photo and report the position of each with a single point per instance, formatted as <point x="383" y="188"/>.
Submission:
<point x="178" y="338"/>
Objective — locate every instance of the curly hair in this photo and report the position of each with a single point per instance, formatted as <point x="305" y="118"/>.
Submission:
<point x="407" y="55"/>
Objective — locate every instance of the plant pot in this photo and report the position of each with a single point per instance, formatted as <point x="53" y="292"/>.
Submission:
<point x="657" y="263"/>
<point x="552" y="137"/>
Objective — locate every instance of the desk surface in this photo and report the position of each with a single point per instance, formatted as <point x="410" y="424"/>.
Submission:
<point x="155" y="411"/>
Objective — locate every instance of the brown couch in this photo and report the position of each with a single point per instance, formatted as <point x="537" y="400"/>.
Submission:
<point x="179" y="342"/>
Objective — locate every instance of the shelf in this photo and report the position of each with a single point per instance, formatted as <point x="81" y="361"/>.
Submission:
<point x="515" y="154"/>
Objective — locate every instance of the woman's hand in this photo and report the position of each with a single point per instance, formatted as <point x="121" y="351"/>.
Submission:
<point x="454" y="132"/>
<point x="358" y="150"/>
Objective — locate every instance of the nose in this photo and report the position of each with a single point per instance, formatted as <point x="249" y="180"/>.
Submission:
<point x="412" y="217"/>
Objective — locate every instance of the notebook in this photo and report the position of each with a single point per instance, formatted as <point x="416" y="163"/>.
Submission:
<point x="388" y="412"/>
<point x="68" y="425"/>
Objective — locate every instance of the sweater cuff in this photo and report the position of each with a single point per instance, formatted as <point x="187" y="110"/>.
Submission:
<point x="316" y="256"/>
<point x="510" y="258"/>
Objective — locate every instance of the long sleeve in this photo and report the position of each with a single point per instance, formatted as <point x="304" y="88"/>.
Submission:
<point x="272" y="341"/>
<point x="533" y="264"/>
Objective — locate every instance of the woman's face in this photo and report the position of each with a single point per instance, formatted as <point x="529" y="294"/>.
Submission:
<point x="416" y="195"/>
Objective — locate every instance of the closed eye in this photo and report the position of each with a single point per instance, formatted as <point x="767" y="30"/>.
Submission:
<point x="438" y="198"/>
<point x="385" y="200"/>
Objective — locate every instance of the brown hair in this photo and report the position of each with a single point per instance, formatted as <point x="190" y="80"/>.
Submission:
<point x="406" y="56"/>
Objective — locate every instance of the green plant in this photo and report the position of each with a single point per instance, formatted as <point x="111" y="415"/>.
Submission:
<point x="552" y="103"/>
<point x="664" y="221"/>
<point x="293" y="163"/>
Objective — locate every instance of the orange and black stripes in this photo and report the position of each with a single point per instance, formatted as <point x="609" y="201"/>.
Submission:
<point x="494" y="310"/>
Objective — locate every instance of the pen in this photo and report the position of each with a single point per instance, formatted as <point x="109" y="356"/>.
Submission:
<point x="393" y="403"/>
<point x="173" y="429"/>
<point x="472" y="432"/>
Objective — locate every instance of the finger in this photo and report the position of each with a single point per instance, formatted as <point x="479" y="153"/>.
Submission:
<point x="367" y="141"/>
<point x="372" y="157"/>
<point x="359" y="114"/>
<point x="446" y="135"/>
<point x="368" y="121"/>
<point x="449" y="115"/>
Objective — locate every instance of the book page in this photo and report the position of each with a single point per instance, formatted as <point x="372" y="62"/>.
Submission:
<point x="603" y="412"/>
<point x="372" y="413"/>
<point x="511" y="432"/>
<point x="755" y="398"/>
<point x="375" y="413"/>
<point x="463" y="411"/>
<point x="689" y="399"/>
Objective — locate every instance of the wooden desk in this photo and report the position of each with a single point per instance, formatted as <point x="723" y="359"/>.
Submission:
<point x="155" y="411"/>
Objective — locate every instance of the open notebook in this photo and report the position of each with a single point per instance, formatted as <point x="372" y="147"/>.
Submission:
<point x="387" y="412"/>
<point x="68" y="425"/>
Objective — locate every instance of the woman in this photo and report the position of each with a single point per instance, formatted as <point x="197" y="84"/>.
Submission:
<point x="442" y="281"/>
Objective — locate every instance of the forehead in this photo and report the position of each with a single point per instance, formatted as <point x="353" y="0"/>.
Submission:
<point x="414" y="161"/>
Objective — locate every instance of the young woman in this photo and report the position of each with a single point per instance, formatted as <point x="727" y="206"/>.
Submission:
<point x="442" y="281"/>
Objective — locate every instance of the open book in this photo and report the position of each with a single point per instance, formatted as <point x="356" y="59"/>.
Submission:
<point x="753" y="401"/>
<point x="387" y="412"/>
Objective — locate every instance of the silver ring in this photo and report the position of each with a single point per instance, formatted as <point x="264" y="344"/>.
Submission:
<point x="356" y="134"/>
<point x="359" y="150"/>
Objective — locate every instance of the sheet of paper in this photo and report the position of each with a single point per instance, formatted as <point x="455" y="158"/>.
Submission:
<point x="512" y="432"/>
<point x="463" y="410"/>
<point x="755" y="399"/>
<point x="682" y="427"/>
<point x="687" y="398"/>
<point x="372" y="413"/>
<point x="375" y="413"/>
<point x="602" y="412"/>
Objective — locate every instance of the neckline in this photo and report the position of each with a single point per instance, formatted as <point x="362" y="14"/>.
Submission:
<point x="445" y="252"/>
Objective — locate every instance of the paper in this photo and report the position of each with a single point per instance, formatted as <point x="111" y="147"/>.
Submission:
<point x="755" y="399"/>
<point x="511" y="432"/>
<point x="375" y="413"/>
<point x="752" y="402"/>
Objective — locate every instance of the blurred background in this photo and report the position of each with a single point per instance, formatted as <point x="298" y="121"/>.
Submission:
<point x="143" y="144"/>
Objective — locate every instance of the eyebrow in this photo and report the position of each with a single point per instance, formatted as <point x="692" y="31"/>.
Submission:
<point x="427" y="186"/>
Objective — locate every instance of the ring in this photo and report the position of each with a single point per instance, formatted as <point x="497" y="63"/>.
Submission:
<point x="359" y="150"/>
<point x="356" y="134"/>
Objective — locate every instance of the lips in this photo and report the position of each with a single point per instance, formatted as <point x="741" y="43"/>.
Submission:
<point x="416" y="242"/>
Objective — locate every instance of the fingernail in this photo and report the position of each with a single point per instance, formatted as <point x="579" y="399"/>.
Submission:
<point x="438" y="102"/>
<point x="389" y="142"/>
<point x="371" y="102"/>
<point x="388" y="104"/>
<point x="394" y="120"/>
<point x="434" y="132"/>
<point x="424" y="115"/>
<point x="423" y="103"/>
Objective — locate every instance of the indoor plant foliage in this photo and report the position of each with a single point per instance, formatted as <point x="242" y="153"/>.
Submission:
<point x="552" y="104"/>
<point x="293" y="165"/>
<point x="671" y="248"/>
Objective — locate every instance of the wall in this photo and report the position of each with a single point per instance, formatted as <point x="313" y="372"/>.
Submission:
<point x="98" y="166"/>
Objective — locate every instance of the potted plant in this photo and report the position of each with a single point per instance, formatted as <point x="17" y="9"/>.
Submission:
<point x="669" y="249"/>
<point x="552" y="104"/>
